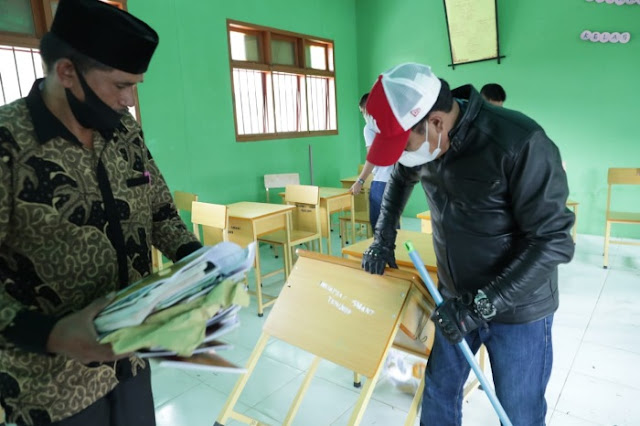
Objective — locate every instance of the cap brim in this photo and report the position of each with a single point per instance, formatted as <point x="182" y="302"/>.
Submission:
<point x="386" y="150"/>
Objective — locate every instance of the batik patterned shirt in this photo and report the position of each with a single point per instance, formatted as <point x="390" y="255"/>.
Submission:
<point x="75" y="224"/>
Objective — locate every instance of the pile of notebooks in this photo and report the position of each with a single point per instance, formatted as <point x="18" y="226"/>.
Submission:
<point x="178" y="314"/>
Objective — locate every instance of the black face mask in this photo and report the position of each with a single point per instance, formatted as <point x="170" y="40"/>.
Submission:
<point x="92" y="113"/>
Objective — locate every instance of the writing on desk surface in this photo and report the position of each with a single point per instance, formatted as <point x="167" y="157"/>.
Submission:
<point x="344" y="303"/>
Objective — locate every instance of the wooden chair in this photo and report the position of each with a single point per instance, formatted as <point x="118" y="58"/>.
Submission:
<point x="619" y="176"/>
<point x="275" y="181"/>
<point x="213" y="220"/>
<point x="280" y="181"/>
<point x="332" y="309"/>
<point x="183" y="201"/>
<point x="361" y="218"/>
<point x="303" y="223"/>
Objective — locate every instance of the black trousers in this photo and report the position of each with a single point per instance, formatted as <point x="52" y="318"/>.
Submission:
<point x="128" y="404"/>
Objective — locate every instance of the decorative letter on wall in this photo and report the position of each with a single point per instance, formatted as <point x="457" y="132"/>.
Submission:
<point x="473" y="30"/>
<point x="605" y="37"/>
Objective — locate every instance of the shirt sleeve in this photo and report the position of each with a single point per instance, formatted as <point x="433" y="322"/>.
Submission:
<point x="170" y="234"/>
<point x="369" y="135"/>
<point x="19" y="326"/>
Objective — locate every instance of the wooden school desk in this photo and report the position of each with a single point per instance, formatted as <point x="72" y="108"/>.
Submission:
<point x="425" y="221"/>
<point x="249" y="220"/>
<point x="422" y="242"/>
<point x="424" y="246"/>
<point x="333" y="200"/>
<point x="349" y="181"/>
<point x="334" y="310"/>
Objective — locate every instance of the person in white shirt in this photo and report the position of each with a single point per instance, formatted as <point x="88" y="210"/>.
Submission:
<point x="380" y="174"/>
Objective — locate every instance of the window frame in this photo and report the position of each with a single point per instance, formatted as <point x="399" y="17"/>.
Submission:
<point x="265" y="64"/>
<point x="42" y="19"/>
<point x="31" y="41"/>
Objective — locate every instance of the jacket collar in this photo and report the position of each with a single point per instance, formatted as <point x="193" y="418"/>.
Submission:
<point x="458" y="135"/>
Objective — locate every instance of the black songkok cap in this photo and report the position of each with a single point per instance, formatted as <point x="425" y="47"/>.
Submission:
<point x="105" y="33"/>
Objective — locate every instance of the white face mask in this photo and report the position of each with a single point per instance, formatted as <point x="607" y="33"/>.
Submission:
<point x="422" y="155"/>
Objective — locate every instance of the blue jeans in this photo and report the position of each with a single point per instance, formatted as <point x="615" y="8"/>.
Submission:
<point x="521" y="356"/>
<point x="375" y="201"/>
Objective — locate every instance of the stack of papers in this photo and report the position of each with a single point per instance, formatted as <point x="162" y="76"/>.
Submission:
<point x="177" y="315"/>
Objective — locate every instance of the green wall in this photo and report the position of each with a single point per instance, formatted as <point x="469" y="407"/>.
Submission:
<point x="186" y="103"/>
<point x="584" y="94"/>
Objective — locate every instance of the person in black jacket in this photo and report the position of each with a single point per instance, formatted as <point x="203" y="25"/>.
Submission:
<point x="494" y="94"/>
<point x="497" y="191"/>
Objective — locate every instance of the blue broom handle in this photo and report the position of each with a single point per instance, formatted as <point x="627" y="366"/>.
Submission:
<point x="463" y="345"/>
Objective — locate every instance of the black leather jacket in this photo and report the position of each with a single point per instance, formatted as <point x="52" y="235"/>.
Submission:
<point x="497" y="199"/>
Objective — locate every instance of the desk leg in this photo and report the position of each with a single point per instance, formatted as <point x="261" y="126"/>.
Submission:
<point x="258" y="275"/>
<point x="356" y="380"/>
<point x="353" y="219"/>
<point x="417" y="399"/>
<point x="227" y="410"/>
<point x="287" y="249"/>
<point x="329" y="227"/>
<point x="303" y="389"/>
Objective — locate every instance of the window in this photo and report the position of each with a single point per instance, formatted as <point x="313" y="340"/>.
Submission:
<point x="22" y="25"/>
<point x="283" y="83"/>
<point x="19" y="68"/>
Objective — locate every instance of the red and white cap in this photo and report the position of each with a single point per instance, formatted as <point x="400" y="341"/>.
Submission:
<point x="400" y="98"/>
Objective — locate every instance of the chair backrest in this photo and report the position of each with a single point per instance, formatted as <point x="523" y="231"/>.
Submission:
<point x="280" y="180"/>
<point x="213" y="219"/>
<point x="306" y="198"/>
<point x="183" y="200"/>
<point x="621" y="176"/>
<point x="618" y="176"/>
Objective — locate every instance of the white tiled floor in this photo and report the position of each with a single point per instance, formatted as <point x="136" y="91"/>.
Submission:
<point x="595" y="379"/>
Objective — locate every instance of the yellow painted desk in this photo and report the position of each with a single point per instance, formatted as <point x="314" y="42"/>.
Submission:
<point x="334" y="310"/>
<point x="349" y="181"/>
<point x="574" y="206"/>
<point x="333" y="200"/>
<point x="424" y="246"/>
<point x="425" y="221"/>
<point x="248" y="221"/>
<point x="422" y="242"/>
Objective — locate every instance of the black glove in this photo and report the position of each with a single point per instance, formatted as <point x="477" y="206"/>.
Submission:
<point x="376" y="257"/>
<point x="456" y="317"/>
